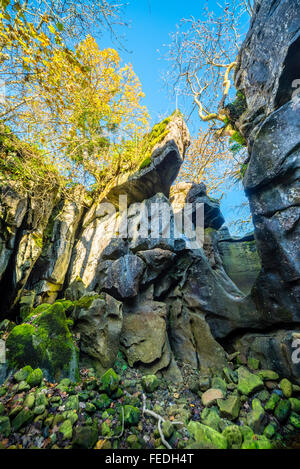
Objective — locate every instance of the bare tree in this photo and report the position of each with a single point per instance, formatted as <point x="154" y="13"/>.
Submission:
<point x="203" y="54"/>
<point x="210" y="160"/>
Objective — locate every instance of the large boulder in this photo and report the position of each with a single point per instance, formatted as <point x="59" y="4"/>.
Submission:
<point x="144" y="334"/>
<point x="44" y="341"/>
<point x="277" y="350"/>
<point x="99" y="326"/>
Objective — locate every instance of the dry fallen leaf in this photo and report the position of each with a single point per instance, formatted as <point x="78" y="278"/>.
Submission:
<point x="100" y="444"/>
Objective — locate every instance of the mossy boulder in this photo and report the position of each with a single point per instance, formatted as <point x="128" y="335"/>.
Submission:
<point x="85" y="437"/>
<point x="233" y="436"/>
<point x="23" y="374"/>
<point x="134" y="442"/>
<point x="286" y="387"/>
<point x="259" y="442"/>
<point x="22" y="418"/>
<point x="219" y="383"/>
<point x="247" y="432"/>
<point x="230" y="407"/>
<point x="206" y="437"/>
<point x="256" y="418"/>
<point x="103" y="402"/>
<point x="72" y="403"/>
<point x="66" y="429"/>
<point x="131" y="415"/>
<point x="295" y="404"/>
<point x="211" y="418"/>
<point x="109" y="382"/>
<point x="294" y="420"/>
<point x="248" y="383"/>
<point x="167" y="429"/>
<point x="5" y="427"/>
<point x="272" y="402"/>
<point x="150" y="383"/>
<point x="44" y="343"/>
<point x="283" y="411"/>
<point x="253" y="363"/>
<point x="270" y="430"/>
<point x="35" y="378"/>
<point x="268" y="375"/>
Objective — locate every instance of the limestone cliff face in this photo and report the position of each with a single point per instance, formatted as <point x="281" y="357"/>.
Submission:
<point x="126" y="277"/>
<point x="269" y="64"/>
<point x="158" y="297"/>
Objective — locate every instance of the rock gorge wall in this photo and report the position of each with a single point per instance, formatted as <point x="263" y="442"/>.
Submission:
<point x="268" y="67"/>
<point x="161" y="300"/>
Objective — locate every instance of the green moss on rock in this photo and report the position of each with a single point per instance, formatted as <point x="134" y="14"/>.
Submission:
<point x="45" y="343"/>
<point x="207" y="437"/>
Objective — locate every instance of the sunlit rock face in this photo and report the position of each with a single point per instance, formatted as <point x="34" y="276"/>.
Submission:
<point x="133" y="279"/>
<point x="269" y="66"/>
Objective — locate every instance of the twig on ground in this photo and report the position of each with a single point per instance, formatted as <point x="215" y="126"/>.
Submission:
<point x="159" y="419"/>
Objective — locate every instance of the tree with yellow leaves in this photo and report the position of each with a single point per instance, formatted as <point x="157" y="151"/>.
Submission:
<point x="79" y="106"/>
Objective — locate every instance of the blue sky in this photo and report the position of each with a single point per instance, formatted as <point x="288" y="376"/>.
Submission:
<point x="151" y="22"/>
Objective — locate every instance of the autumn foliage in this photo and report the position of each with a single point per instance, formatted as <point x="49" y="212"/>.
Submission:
<point x="81" y="106"/>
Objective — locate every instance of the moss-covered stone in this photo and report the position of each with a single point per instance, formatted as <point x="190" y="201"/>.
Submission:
<point x="85" y="437"/>
<point x="295" y="404"/>
<point x="270" y="430"/>
<point x="230" y="407"/>
<point x="219" y="383"/>
<point x="256" y="418"/>
<point x="260" y="442"/>
<point x="109" y="382"/>
<point x="23" y="374"/>
<point x="233" y="436"/>
<point x="272" y="402"/>
<point x="29" y="400"/>
<point x="64" y="385"/>
<point x="268" y="375"/>
<point x="45" y="343"/>
<point x="131" y="415"/>
<point x="23" y="418"/>
<point x="211" y="418"/>
<point x="35" y="378"/>
<point x="282" y="411"/>
<point x="66" y="429"/>
<point x="5" y="427"/>
<point x="167" y="429"/>
<point x="263" y="396"/>
<point x="295" y="420"/>
<point x="103" y="402"/>
<point x="150" y="383"/>
<point x="207" y="437"/>
<point x="70" y="415"/>
<point x="3" y="391"/>
<point x="247" y="432"/>
<point x="253" y="363"/>
<point x="248" y="383"/>
<point x="72" y="403"/>
<point x="286" y="387"/>
<point x="133" y="442"/>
